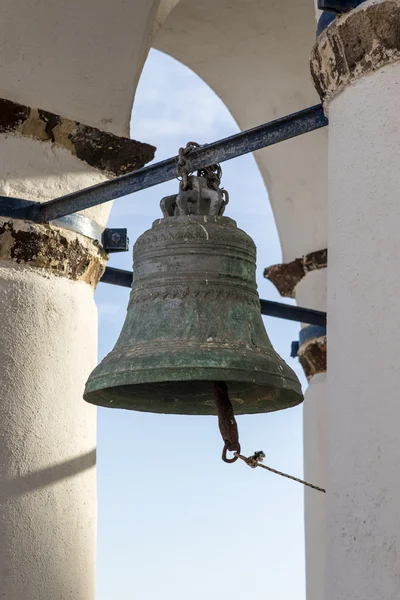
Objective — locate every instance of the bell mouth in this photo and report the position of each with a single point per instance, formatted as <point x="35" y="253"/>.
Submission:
<point x="196" y="397"/>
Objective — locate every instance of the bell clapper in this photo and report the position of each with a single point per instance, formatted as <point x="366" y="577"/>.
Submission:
<point x="230" y="435"/>
<point x="226" y="421"/>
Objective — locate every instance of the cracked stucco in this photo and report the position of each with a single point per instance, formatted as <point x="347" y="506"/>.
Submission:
<point x="355" y="44"/>
<point x="287" y="276"/>
<point x="104" y="151"/>
<point x="55" y="250"/>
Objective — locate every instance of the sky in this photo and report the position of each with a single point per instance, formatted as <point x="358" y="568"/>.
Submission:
<point x="174" y="521"/>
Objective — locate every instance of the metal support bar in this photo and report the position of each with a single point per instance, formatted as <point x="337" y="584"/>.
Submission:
<point x="251" y="140"/>
<point x="293" y="313"/>
<point x="117" y="277"/>
<point x="268" y="308"/>
<point x="339" y="6"/>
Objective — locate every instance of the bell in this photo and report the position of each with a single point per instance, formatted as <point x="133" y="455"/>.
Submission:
<point x="193" y="318"/>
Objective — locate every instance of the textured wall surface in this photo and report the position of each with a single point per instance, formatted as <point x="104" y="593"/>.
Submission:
<point x="363" y="510"/>
<point x="47" y="437"/>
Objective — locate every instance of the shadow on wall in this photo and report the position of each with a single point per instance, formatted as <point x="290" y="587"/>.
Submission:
<point x="40" y="479"/>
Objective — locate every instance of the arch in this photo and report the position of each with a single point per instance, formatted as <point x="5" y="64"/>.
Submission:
<point x="255" y="56"/>
<point x="164" y="8"/>
<point x="81" y="59"/>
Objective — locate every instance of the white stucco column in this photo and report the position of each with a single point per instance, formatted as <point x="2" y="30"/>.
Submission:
<point x="48" y="347"/>
<point x="356" y="68"/>
<point x="82" y="61"/>
<point x="47" y="434"/>
<point x="305" y="280"/>
<point x="311" y="292"/>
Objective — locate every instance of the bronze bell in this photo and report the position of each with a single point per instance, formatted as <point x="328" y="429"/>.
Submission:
<point x="193" y="318"/>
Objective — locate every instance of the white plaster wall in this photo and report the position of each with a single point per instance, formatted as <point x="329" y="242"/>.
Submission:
<point x="81" y="58"/>
<point x="363" y="508"/>
<point x="311" y="292"/>
<point x="47" y="437"/>
<point x="255" y="55"/>
<point x="48" y="347"/>
<point x="164" y="8"/>
<point x="314" y="419"/>
<point x="40" y="171"/>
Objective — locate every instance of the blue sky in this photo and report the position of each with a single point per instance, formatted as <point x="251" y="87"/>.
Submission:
<point x="175" y="522"/>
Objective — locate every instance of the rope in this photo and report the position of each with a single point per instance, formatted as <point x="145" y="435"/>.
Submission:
<point x="255" y="461"/>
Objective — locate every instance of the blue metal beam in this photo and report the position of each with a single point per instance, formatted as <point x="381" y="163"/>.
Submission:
<point x="268" y="308"/>
<point x="245" y="142"/>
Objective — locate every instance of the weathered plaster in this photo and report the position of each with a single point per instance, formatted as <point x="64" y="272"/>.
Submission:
<point x="52" y="249"/>
<point x="357" y="43"/>
<point x="104" y="151"/>
<point x="287" y="276"/>
<point x="312" y="356"/>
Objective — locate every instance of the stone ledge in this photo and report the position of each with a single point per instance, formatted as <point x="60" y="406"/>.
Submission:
<point x="356" y="43"/>
<point x="101" y="150"/>
<point x="286" y="276"/>
<point x="55" y="250"/>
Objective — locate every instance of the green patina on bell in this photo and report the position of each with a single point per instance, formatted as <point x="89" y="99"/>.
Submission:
<point x="193" y="318"/>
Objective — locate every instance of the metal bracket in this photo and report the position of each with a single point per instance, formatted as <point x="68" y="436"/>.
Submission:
<point x="112" y="240"/>
<point x="115" y="240"/>
<point x="294" y="350"/>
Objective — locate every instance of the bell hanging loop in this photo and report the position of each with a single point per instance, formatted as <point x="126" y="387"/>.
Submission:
<point x="210" y="176"/>
<point x="194" y="316"/>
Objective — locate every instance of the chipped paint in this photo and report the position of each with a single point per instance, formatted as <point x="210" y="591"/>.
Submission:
<point x="104" y="151"/>
<point x="286" y="276"/>
<point x="53" y="249"/>
<point x="357" y="43"/>
<point x="313" y="356"/>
